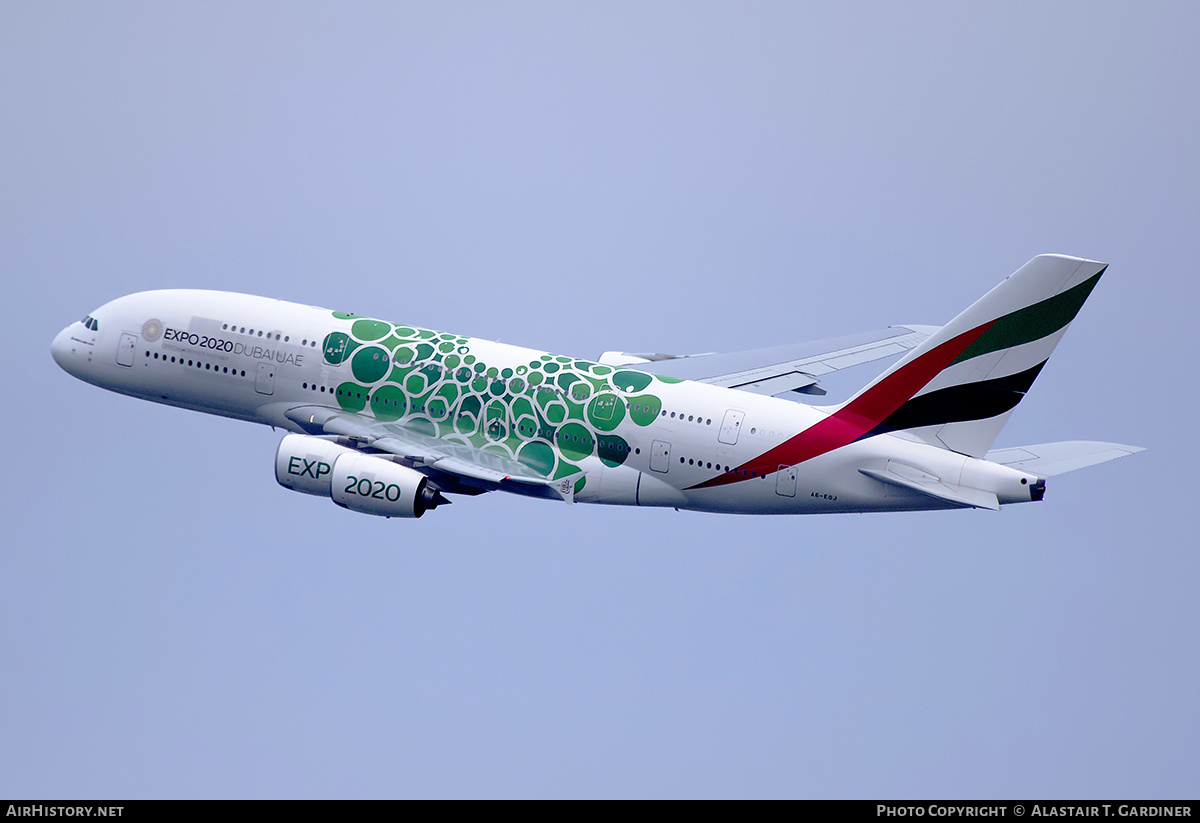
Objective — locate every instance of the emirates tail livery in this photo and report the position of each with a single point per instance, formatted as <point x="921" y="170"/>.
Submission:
<point x="388" y="419"/>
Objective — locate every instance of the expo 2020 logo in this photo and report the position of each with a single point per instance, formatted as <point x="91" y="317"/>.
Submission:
<point x="152" y="329"/>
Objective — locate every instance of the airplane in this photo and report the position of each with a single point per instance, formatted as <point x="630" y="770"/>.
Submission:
<point x="388" y="419"/>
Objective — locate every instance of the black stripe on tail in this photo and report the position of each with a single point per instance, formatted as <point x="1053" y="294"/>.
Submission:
<point x="957" y="404"/>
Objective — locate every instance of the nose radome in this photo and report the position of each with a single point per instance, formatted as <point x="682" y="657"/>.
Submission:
<point x="58" y="349"/>
<point x="66" y="352"/>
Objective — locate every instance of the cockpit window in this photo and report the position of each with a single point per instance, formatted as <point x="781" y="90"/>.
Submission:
<point x="90" y="322"/>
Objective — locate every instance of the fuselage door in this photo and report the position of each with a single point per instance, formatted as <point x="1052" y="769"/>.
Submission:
<point x="785" y="481"/>
<point x="264" y="381"/>
<point x="731" y="426"/>
<point x="125" y="349"/>
<point x="660" y="456"/>
<point x="497" y="421"/>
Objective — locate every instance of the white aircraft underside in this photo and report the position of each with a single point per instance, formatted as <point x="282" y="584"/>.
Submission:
<point x="387" y="418"/>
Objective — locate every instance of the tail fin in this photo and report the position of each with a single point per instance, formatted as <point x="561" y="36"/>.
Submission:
<point x="957" y="389"/>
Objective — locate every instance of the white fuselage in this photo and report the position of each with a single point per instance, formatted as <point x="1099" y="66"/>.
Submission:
<point x="669" y="443"/>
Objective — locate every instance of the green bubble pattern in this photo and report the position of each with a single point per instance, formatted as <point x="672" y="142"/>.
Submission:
<point x="549" y="413"/>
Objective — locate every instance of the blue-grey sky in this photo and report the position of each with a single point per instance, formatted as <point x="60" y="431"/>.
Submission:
<point x="636" y="176"/>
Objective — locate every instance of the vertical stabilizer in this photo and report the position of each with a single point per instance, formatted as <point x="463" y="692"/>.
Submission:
<point x="957" y="389"/>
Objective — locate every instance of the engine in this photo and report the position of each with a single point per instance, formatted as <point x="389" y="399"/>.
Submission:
<point x="367" y="483"/>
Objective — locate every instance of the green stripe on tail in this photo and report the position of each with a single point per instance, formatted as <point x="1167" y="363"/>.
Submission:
<point x="1032" y="322"/>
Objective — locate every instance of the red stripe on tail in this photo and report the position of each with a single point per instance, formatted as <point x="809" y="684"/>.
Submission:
<point x="859" y="416"/>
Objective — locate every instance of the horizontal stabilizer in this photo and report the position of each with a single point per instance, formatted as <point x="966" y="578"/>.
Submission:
<point x="906" y="477"/>
<point x="1049" y="459"/>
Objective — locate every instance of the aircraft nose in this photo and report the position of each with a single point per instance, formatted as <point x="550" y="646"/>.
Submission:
<point x="66" y="352"/>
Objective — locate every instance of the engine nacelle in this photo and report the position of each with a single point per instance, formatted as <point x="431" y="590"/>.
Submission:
<point x="373" y="485"/>
<point x="365" y="483"/>
<point x="305" y="464"/>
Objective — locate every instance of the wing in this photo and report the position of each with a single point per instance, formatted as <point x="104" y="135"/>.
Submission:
<point x="795" y="367"/>
<point x="455" y="467"/>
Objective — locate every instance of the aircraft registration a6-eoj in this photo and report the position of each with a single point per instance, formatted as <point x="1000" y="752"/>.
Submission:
<point x="387" y="419"/>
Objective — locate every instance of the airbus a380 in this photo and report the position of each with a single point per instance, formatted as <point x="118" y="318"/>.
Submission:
<point x="387" y="419"/>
